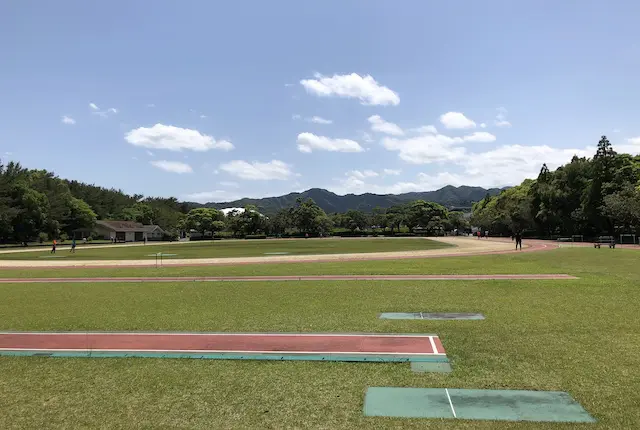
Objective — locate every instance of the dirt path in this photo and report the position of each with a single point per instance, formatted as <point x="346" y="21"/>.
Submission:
<point x="462" y="246"/>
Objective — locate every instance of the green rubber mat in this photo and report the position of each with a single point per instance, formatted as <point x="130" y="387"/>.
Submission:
<point x="430" y="316"/>
<point x="502" y="405"/>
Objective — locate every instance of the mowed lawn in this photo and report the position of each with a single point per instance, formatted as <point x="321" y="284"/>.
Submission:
<point x="580" y="336"/>
<point x="234" y="248"/>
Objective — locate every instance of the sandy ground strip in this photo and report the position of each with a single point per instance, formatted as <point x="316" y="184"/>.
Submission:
<point x="462" y="246"/>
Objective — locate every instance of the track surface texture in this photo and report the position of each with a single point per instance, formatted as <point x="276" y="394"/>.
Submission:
<point x="298" y="343"/>
<point x="462" y="246"/>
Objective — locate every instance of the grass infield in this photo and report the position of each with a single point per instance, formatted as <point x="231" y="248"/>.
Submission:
<point x="576" y="336"/>
<point x="236" y="248"/>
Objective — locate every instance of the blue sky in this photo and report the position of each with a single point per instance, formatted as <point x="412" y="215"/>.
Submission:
<point x="212" y="100"/>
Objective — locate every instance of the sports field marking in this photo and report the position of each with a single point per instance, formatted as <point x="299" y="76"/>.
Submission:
<point x="472" y="404"/>
<point x="171" y="333"/>
<point x="276" y="253"/>
<point x="336" y="347"/>
<point x="295" y="278"/>
<point x="450" y="404"/>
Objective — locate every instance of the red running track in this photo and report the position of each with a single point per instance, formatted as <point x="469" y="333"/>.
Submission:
<point x="266" y="343"/>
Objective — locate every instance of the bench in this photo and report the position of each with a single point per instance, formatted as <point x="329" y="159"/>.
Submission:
<point x="605" y="240"/>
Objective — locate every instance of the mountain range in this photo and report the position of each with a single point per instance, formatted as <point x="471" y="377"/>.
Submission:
<point x="461" y="198"/>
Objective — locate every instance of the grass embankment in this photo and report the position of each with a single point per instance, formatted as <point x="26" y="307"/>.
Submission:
<point x="579" y="336"/>
<point x="234" y="248"/>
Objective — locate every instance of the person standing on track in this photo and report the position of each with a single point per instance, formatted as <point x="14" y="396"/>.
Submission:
<point x="518" y="237"/>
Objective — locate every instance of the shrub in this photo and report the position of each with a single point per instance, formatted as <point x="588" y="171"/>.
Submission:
<point x="43" y="237"/>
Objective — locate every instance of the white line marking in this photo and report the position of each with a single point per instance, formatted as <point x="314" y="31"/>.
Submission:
<point x="217" y="334"/>
<point x="433" y="345"/>
<point x="216" y="351"/>
<point x="450" y="404"/>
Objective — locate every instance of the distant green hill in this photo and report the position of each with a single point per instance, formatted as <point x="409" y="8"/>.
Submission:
<point x="449" y="196"/>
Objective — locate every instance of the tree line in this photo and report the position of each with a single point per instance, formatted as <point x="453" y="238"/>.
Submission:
<point x="36" y="205"/>
<point x="587" y="196"/>
<point x="306" y="218"/>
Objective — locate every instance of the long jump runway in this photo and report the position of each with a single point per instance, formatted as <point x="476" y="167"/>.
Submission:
<point x="292" y="278"/>
<point x="360" y="347"/>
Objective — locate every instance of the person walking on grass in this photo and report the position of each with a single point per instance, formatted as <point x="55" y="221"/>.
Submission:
<point x="73" y="245"/>
<point x="518" y="237"/>
<point x="53" y="248"/>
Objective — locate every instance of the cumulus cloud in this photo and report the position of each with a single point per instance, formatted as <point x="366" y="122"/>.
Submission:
<point x="381" y="126"/>
<point x="172" y="138"/>
<point x="479" y="136"/>
<point x="93" y="106"/>
<point x="68" y="120"/>
<point x="456" y="120"/>
<point x="425" y="129"/>
<point x="390" y="172"/>
<point x="257" y="171"/>
<point x="428" y="148"/>
<point x="362" y="174"/>
<point x="172" y="166"/>
<point x="308" y="142"/>
<point x="319" y="120"/>
<point x="363" y="88"/>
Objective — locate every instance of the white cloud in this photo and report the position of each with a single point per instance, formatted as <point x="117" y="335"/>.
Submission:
<point x="319" y="120"/>
<point x="366" y="137"/>
<point x="423" y="182"/>
<point x="151" y="105"/>
<point x="634" y="140"/>
<point x="295" y="116"/>
<point x="150" y="154"/>
<point x="511" y="164"/>
<point x="172" y="138"/>
<point x="501" y="118"/>
<point x="209" y="196"/>
<point x="112" y="110"/>
<point x="68" y="120"/>
<point x="289" y="85"/>
<point x="203" y="116"/>
<point x="381" y="126"/>
<point x="93" y="106"/>
<point x="229" y="184"/>
<point x="274" y="169"/>
<point x="425" y="129"/>
<point x="389" y="172"/>
<point x="307" y="142"/>
<point x="362" y="174"/>
<point x="426" y="149"/>
<point x="172" y="166"/>
<point x="363" y="88"/>
<point x="483" y="125"/>
<point x="456" y="120"/>
<point x="479" y="136"/>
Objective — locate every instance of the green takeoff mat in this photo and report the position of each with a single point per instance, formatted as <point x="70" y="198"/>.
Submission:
<point x="501" y="405"/>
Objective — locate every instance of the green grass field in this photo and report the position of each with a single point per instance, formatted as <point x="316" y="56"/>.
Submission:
<point x="580" y="336"/>
<point x="235" y="248"/>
